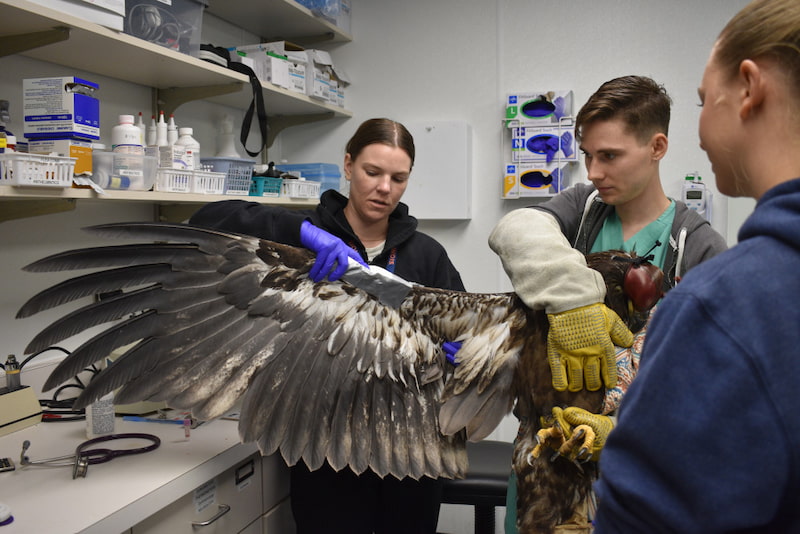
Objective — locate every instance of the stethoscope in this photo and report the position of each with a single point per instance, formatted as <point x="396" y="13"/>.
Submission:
<point x="83" y="456"/>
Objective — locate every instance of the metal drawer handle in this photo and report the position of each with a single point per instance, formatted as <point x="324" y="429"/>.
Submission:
<point x="223" y="509"/>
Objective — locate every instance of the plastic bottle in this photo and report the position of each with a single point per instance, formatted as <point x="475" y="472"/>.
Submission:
<point x="161" y="131"/>
<point x="142" y="129"/>
<point x="191" y="148"/>
<point x="126" y="145"/>
<point x="151" y="132"/>
<point x="172" y="130"/>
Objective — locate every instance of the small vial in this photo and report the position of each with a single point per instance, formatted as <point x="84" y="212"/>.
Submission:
<point x="12" y="373"/>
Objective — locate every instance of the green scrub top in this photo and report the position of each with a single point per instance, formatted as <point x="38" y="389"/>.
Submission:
<point x="610" y="237"/>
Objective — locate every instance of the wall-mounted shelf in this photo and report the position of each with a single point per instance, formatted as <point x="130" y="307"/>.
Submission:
<point x="83" y="45"/>
<point x="287" y="20"/>
<point x="19" y="202"/>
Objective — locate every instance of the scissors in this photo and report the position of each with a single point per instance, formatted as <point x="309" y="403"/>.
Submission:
<point x="84" y="456"/>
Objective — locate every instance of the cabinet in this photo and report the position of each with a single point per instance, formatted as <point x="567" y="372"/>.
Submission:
<point x="249" y="498"/>
<point x="38" y="32"/>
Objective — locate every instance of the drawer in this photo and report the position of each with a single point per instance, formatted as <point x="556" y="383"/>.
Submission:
<point x="275" y="475"/>
<point x="279" y="520"/>
<point x="226" y="504"/>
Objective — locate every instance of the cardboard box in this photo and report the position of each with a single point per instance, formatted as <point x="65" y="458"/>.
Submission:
<point x="318" y="75"/>
<point x="339" y="82"/>
<point x="539" y="108"/>
<point x="173" y="157"/>
<point x="297" y="62"/>
<point x="544" y="144"/>
<point x="269" y="66"/>
<point x="536" y="179"/>
<point x="73" y="148"/>
<point x="60" y="108"/>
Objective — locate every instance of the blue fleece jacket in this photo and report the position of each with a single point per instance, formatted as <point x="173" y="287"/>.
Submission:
<point x="708" y="439"/>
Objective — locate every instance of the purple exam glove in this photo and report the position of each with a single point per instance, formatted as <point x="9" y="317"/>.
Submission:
<point x="450" y="348"/>
<point x="330" y="250"/>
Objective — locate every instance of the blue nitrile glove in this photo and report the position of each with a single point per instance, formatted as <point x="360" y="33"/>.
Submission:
<point x="450" y="348"/>
<point x="330" y="250"/>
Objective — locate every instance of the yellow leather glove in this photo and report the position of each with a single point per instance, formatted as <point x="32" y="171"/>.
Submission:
<point x="580" y="347"/>
<point x="585" y="432"/>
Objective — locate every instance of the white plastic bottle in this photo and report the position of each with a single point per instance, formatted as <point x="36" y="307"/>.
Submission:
<point x="172" y="130"/>
<point x="191" y="148"/>
<point x="161" y="130"/>
<point x="151" y="132"/>
<point x="126" y="144"/>
<point x="142" y="129"/>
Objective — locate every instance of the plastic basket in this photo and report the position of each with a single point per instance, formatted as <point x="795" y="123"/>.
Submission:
<point x="238" y="173"/>
<point x="208" y="182"/>
<point x="24" y="169"/>
<point x="300" y="189"/>
<point x="265" y="186"/>
<point x="174" y="180"/>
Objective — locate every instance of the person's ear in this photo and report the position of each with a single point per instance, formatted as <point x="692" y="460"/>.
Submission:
<point x="753" y="90"/>
<point x="659" y="144"/>
<point x="348" y="166"/>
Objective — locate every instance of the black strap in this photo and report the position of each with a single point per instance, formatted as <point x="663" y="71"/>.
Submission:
<point x="256" y="105"/>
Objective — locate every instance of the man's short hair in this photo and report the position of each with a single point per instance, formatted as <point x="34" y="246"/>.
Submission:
<point x="641" y="103"/>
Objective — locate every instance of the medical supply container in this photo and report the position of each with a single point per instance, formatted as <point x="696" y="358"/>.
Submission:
<point x="123" y="171"/>
<point x="327" y="174"/>
<point x="60" y="108"/>
<point x="175" y="24"/>
<point x="191" y="148"/>
<point x="24" y="169"/>
<point x="238" y="173"/>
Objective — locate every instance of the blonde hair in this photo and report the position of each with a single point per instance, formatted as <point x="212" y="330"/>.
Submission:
<point x="763" y="29"/>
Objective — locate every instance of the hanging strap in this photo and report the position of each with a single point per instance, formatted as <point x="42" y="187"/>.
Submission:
<point x="256" y="106"/>
<point x="586" y="208"/>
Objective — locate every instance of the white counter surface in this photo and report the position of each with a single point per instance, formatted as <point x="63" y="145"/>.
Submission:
<point x="115" y="495"/>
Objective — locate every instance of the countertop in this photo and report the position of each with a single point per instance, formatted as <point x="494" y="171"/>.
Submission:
<point x="116" y="495"/>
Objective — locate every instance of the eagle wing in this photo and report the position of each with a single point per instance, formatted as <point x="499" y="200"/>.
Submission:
<point x="323" y="371"/>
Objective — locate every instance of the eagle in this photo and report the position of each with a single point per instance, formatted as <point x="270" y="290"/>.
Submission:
<point x="320" y="371"/>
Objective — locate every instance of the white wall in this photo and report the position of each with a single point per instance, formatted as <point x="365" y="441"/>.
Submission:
<point x="418" y="60"/>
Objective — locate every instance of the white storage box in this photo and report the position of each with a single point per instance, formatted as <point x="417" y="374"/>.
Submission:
<point x="208" y="182"/>
<point x="174" y="181"/>
<point x="112" y="170"/>
<point x="108" y="13"/>
<point x="36" y="170"/>
<point x="300" y="188"/>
